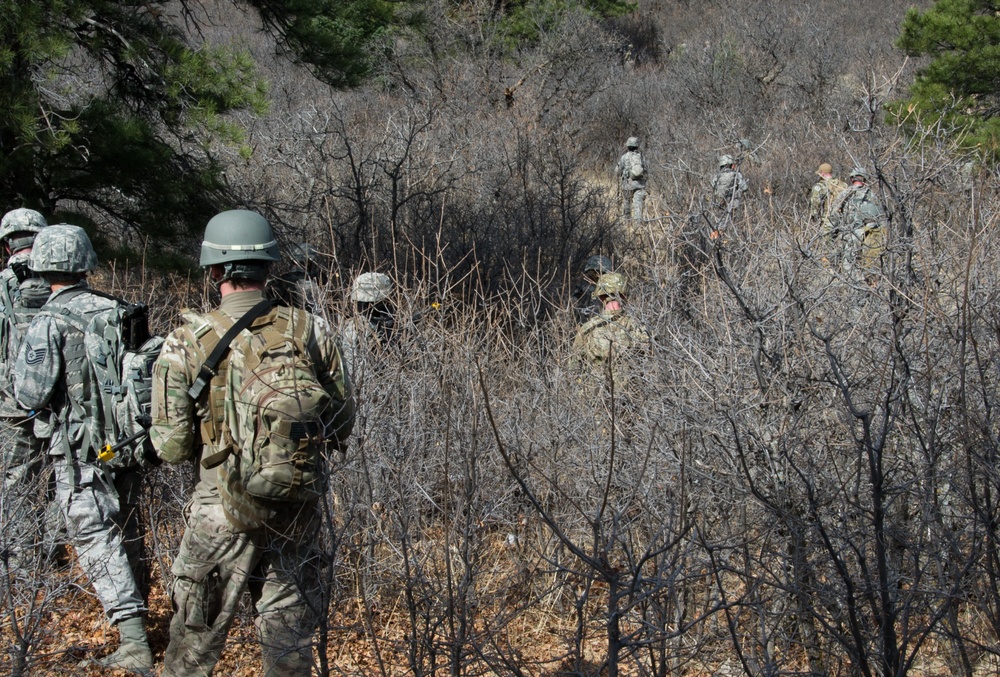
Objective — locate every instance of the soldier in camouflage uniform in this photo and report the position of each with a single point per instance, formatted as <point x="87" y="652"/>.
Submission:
<point x="372" y="328"/>
<point x="300" y="287"/>
<point x="51" y="373"/>
<point x="822" y="196"/>
<point x="23" y="294"/>
<point x="583" y="292"/>
<point x="612" y="334"/>
<point x="857" y="220"/>
<point x="728" y="185"/>
<point x="219" y="559"/>
<point x="631" y="172"/>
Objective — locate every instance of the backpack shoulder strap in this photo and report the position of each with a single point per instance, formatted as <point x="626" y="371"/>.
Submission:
<point x="210" y="366"/>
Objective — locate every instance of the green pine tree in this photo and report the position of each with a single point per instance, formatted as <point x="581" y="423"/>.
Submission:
<point x="960" y="88"/>
<point x="113" y="108"/>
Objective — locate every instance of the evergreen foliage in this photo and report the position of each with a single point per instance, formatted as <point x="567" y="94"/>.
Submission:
<point x="960" y="88"/>
<point x="113" y="109"/>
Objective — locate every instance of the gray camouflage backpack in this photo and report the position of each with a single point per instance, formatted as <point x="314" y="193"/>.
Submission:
<point x="121" y="354"/>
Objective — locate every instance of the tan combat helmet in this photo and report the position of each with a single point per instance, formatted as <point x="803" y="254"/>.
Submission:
<point x="611" y="285"/>
<point x="824" y="169"/>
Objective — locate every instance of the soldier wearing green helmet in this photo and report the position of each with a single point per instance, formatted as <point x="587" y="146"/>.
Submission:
<point x="52" y="374"/>
<point x="232" y="539"/>
<point x="583" y="292"/>
<point x="612" y="335"/>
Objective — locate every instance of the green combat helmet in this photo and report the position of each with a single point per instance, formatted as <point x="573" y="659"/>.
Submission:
<point x="371" y="288"/>
<point x="27" y="222"/>
<point x="599" y="264"/>
<point x="632" y="143"/>
<point x="242" y="241"/>
<point x="858" y="173"/>
<point x="303" y="255"/>
<point x="726" y="160"/>
<point x="610" y="285"/>
<point x="62" y="249"/>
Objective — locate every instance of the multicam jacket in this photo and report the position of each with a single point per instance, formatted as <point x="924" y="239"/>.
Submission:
<point x="51" y="371"/>
<point x="179" y="422"/>
<point x="20" y="301"/>
<point x="610" y="333"/>
<point x="822" y="197"/>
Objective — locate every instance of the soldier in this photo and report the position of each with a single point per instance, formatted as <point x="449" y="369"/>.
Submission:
<point x="856" y="217"/>
<point x="22" y="294"/>
<point x="728" y="185"/>
<point x="583" y="292"/>
<point x="631" y="172"/>
<point x="277" y="555"/>
<point x="611" y="334"/>
<point x="822" y="196"/>
<point x="301" y="287"/>
<point x="51" y="372"/>
<point x="373" y="325"/>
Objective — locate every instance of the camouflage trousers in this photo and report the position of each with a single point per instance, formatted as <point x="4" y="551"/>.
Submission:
<point x="29" y="522"/>
<point x="214" y="567"/>
<point x="89" y="506"/>
<point x="633" y="203"/>
<point x="128" y="485"/>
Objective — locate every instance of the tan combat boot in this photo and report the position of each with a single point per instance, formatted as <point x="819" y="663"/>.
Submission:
<point x="133" y="652"/>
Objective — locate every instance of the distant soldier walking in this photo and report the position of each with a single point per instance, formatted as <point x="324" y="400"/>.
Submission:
<point x="728" y="185"/>
<point x="631" y="171"/>
<point x="372" y="327"/>
<point x="858" y="221"/>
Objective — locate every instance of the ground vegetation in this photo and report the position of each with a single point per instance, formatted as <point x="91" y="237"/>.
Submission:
<point x="798" y="477"/>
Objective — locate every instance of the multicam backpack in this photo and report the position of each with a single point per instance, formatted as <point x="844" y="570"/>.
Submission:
<point x="266" y="412"/>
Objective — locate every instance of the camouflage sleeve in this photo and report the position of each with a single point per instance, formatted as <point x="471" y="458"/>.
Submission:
<point x="335" y="379"/>
<point x="39" y="364"/>
<point x="174" y="413"/>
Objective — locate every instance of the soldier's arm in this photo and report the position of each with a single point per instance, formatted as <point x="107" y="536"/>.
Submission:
<point x="335" y="379"/>
<point x="174" y="412"/>
<point x="39" y="364"/>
